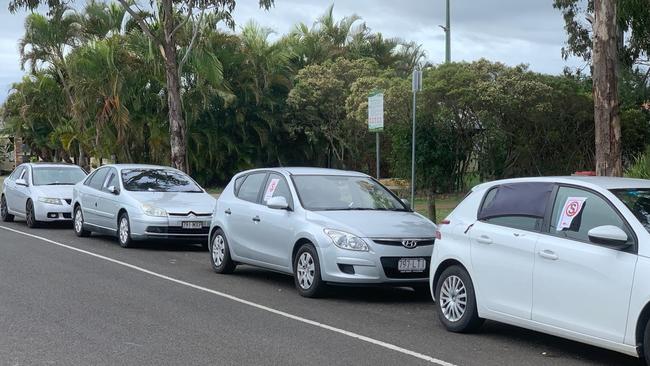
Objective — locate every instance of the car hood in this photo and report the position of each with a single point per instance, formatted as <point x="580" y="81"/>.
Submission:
<point x="376" y="224"/>
<point x="178" y="202"/>
<point x="64" y="192"/>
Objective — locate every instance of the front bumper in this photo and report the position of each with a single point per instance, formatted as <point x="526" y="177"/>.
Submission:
<point x="377" y="266"/>
<point x="170" y="228"/>
<point x="46" y="212"/>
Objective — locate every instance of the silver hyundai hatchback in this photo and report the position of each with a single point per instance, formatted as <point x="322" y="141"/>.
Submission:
<point x="136" y="202"/>
<point x="323" y="226"/>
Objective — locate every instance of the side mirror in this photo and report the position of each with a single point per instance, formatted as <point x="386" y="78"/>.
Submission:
<point x="277" y="203"/>
<point x="406" y="202"/>
<point x="609" y="235"/>
<point x="113" y="190"/>
<point x="21" y="182"/>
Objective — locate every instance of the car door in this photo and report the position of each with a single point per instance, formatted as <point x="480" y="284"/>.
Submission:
<point x="242" y="216"/>
<point x="10" y="188"/>
<point x="22" y="192"/>
<point x="91" y="196"/>
<point x="579" y="285"/>
<point x="274" y="234"/>
<point x="108" y="202"/>
<point x="503" y="247"/>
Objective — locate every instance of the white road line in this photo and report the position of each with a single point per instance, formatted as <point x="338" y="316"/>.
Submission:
<point x="246" y="302"/>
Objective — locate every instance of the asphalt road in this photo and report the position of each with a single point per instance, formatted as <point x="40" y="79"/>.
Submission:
<point x="160" y="304"/>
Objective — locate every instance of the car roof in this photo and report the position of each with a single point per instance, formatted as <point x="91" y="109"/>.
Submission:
<point x="137" y="166"/>
<point x="47" y="164"/>
<point x="585" y="181"/>
<point x="309" y="171"/>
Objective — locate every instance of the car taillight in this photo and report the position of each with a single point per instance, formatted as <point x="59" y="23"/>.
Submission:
<point x="443" y="222"/>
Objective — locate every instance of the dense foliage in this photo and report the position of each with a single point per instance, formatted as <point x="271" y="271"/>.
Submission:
<point x="95" y="84"/>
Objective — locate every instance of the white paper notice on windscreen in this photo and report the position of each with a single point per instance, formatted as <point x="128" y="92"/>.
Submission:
<point x="273" y="184"/>
<point x="571" y="209"/>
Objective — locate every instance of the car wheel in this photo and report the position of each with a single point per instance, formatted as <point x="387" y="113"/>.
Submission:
<point x="4" y="211"/>
<point x="124" y="231"/>
<point x="456" y="301"/>
<point x="79" y="223"/>
<point x="306" y="272"/>
<point x="646" y="345"/>
<point x="30" y="215"/>
<point x="220" y="253"/>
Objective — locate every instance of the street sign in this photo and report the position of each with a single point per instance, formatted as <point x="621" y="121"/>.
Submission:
<point x="416" y="81"/>
<point x="376" y="112"/>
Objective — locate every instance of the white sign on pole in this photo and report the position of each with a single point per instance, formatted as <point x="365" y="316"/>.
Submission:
<point x="376" y="112"/>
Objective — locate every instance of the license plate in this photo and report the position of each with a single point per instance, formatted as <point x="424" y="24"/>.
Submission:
<point x="406" y="265"/>
<point x="192" y="225"/>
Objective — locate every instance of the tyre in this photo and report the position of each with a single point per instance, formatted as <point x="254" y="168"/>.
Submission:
<point x="78" y="223"/>
<point x="4" y="210"/>
<point x="220" y="253"/>
<point x="456" y="301"/>
<point x="124" y="231"/>
<point x="30" y="215"/>
<point x="306" y="272"/>
<point x="645" y="356"/>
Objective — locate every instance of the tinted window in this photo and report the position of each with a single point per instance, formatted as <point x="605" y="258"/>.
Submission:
<point x="250" y="188"/>
<point x="638" y="201"/>
<point x="337" y="192"/>
<point x="530" y="223"/>
<point x="158" y="180"/>
<point x="276" y="186"/>
<point x="98" y="178"/>
<point x="46" y="176"/>
<point x="517" y="199"/>
<point x="595" y="211"/>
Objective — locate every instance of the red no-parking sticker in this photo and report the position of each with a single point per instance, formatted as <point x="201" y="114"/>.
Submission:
<point x="571" y="209"/>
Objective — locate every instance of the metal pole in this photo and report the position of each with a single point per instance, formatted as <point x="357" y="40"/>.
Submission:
<point x="448" y="36"/>
<point x="413" y="156"/>
<point x="377" y="141"/>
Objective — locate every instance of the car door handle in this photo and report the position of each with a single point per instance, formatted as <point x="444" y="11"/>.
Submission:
<point x="484" y="239"/>
<point x="227" y="212"/>
<point x="548" y="254"/>
<point x="256" y="219"/>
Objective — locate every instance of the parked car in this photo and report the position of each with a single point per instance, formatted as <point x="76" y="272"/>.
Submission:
<point x="39" y="192"/>
<point x="565" y="256"/>
<point x="323" y="226"/>
<point x="137" y="202"/>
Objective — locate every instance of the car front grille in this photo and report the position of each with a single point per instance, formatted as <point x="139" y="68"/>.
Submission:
<point x="177" y="230"/>
<point x="398" y="242"/>
<point x="391" y="268"/>
<point x="202" y="214"/>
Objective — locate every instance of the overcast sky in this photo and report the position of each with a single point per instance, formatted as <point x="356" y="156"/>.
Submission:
<point x="510" y="31"/>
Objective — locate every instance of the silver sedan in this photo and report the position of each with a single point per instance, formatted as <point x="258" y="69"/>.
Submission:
<point x="322" y="226"/>
<point x="136" y="202"/>
<point x="39" y="192"/>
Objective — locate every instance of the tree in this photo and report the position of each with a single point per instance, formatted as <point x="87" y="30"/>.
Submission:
<point x="173" y="15"/>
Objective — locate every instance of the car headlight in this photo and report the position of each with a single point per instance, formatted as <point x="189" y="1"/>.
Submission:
<point x="347" y="241"/>
<point x="153" y="211"/>
<point x="51" y="201"/>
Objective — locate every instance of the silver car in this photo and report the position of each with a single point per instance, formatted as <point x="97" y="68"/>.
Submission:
<point x="136" y="202"/>
<point x="39" y="192"/>
<point x="323" y="226"/>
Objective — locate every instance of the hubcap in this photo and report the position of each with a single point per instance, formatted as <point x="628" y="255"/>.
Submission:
<point x="124" y="230"/>
<point x="306" y="270"/>
<point x="453" y="298"/>
<point x="78" y="221"/>
<point x="30" y="212"/>
<point x="218" y="250"/>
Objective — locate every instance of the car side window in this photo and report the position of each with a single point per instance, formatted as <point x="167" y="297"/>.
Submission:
<point x="276" y="186"/>
<point x="517" y="205"/>
<point x="583" y="210"/>
<point x="250" y="188"/>
<point x="97" y="180"/>
<point x="16" y="174"/>
<point x="111" y="180"/>
<point x="25" y="175"/>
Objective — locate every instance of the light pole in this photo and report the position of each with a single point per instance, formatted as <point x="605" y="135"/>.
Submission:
<point x="416" y="86"/>
<point x="447" y="29"/>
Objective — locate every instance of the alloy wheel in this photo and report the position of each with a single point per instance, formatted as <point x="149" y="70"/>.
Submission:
<point x="124" y="230"/>
<point x="30" y="214"/>
<point x="306" y="270"/>
<point x="78" y="220"/>
<point x="453" y="298"/>
<point x="3" y="207"/>
<point x="218" y="250"/>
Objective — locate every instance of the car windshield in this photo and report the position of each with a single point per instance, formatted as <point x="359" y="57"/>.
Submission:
<point x="158" y="180"/>
<point x="336" y="192"/>
<point x="638" y="201"/>
<point x="53" y="176"/>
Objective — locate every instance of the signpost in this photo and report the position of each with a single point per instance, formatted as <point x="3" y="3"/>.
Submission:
<point x="376" y="118"/>
<point x="416" y="87"/>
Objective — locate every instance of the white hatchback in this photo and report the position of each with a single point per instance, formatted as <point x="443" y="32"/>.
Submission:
<point x="565" y="256"/>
